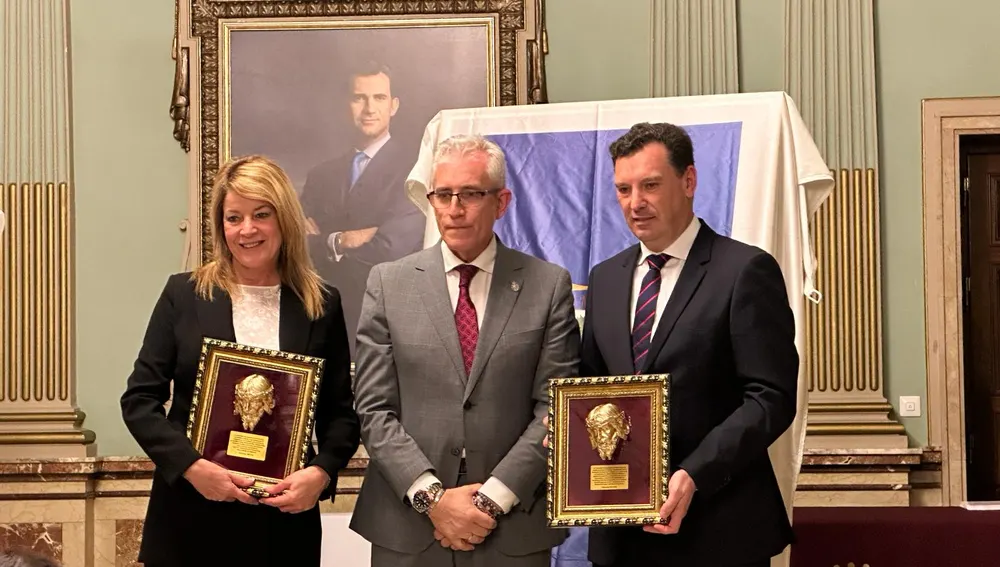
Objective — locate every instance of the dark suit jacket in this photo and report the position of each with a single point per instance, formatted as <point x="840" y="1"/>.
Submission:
<point x="378" y="199"/>
<point x="726" y="336"/>
<point x="178" y="517"/>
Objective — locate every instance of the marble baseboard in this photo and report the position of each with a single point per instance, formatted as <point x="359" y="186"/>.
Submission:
<point x="893" y="498"/>
<point x="128" y="536"/>
<point x="70" y="507"/>
<point x="88" y="512"/>
<point x="869" y="477"/>
<point x="45" y="538"/>
<point x="840" y="441"/>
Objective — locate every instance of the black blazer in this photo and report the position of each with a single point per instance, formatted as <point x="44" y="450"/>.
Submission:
<point x="727" y="337"/>
<point x="178" y="516"/>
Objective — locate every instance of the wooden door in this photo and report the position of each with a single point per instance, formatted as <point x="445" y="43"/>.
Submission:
<point x="981" y="204"/>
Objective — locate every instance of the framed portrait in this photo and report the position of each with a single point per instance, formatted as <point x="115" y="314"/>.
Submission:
<point x="609" y="450"/>
<point x="338" y="93"/>
<point x="253" y="410"/>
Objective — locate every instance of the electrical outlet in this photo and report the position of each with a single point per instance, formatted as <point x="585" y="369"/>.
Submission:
<point x="909" y="406"/>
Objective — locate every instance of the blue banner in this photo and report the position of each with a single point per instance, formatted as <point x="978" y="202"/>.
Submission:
<point x="565" y="211"/>
<point x="564" y="208"/>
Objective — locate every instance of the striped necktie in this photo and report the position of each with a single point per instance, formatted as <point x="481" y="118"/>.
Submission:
<point x="645" y="309"/>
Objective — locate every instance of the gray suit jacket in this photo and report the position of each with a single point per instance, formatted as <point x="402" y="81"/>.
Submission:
<point x="418" y="410"/>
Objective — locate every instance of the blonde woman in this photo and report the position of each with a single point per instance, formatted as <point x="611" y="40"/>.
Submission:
<point x="259" y="289"/>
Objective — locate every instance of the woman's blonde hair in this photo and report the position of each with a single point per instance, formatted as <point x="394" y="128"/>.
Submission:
<point x="260" y="179"/>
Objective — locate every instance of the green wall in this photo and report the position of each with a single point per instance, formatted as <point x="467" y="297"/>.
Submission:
<point x="925" y="49"/>
<point x="130" y="195"/>
<point x="598" y="50"/>
<point x="760" y="26"/>
<point x="130" y="174"/>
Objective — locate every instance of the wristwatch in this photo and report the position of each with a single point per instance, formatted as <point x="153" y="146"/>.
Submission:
<point x="338" y="244"/>
<point x="486" y="505"/>
<point x="425" y="499"/>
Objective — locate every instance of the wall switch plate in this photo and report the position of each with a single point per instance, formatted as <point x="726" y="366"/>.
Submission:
<point x="909" y="406"/>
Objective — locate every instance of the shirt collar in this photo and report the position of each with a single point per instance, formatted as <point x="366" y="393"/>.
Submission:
<point x="484" y="261"/>
<point x="679" y="248"/>
<point x="371" y="149"/>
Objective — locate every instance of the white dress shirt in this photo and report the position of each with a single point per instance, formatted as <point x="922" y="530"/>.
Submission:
<point x="257" y="316"/>
<point x="479" y="289"/>
<point x="678" y="252"/>
<point x="370" y="150"/>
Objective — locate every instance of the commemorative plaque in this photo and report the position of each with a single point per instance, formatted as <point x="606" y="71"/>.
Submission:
<point x="609" y="450"/>
<point x="253" y="410"/>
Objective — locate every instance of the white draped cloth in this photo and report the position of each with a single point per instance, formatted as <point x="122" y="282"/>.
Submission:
<point x="780" y="182"/>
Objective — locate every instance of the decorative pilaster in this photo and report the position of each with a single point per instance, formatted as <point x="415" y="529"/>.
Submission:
<point x="38" y="414"/>
<point x="830" y="73"/>
<point x="694" y="48"/>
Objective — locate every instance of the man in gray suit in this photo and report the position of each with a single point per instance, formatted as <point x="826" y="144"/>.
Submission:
<point x="455" y="348"/>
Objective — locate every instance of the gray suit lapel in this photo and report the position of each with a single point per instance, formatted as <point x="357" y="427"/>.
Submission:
<point x="434" y="292"/>
<point x="504" y="289"/>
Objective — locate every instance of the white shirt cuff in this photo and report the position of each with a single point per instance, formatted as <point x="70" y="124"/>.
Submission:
<point x="498" y="492"/>
<point x="423" y="481"/>
<point x="329" y="244"/>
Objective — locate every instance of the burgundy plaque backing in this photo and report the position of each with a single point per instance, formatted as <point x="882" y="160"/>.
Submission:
<point x="634" y="451"/>
<point x="277" y="426"/>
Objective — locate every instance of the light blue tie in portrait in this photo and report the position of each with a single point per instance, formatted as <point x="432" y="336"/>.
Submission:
<point x="358" y="166"/>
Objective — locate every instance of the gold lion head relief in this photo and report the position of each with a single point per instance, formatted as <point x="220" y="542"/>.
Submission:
<point x="607" y="425"/>
<point x="254" y="396"/>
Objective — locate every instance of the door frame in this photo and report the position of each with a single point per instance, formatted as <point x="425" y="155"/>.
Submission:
<point x="944" y="121"/>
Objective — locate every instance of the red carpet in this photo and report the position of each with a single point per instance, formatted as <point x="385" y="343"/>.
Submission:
<point x="896" y="537"/>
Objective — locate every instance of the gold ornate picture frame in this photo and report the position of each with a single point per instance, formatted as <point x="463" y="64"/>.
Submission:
<point x="311" y="84"/>
<point x="199" y="107"/>
<point x="253" y="410"/>
<point x="609" y="450"/>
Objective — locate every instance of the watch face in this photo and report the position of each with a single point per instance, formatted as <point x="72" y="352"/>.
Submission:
<point x="421" y="500"/>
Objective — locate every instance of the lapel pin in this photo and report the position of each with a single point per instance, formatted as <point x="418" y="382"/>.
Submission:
<point x="514" y="286"/>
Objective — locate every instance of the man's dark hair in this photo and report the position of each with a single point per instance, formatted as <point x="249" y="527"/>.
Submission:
<point x="674" y="138"/>
<point x="367" y="68"/>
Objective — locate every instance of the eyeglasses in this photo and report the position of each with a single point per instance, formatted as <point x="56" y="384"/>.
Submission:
<point x="466" y="197"/>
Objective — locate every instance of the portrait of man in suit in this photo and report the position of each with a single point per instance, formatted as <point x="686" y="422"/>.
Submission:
<point x="358" y="211"/>
<point x="456" y="346"/>
<point x="342" y="108"/>
<point x="714" y="314"/>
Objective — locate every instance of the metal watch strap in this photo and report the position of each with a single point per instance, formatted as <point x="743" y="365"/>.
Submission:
<point x="425" y="499"/>
<point x="486" y="505"/>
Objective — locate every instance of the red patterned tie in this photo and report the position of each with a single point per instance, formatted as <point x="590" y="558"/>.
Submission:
<point x="465" y="316"/>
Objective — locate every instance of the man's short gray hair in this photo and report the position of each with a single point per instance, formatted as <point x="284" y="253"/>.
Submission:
<point x="463" y="145"/>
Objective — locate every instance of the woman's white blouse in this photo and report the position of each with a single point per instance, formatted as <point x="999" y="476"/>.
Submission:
<point x="256" y="313"/>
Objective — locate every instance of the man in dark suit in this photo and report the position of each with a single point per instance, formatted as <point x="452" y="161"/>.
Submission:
<point x="714" y="314"/>
<point x="357" y="203"/>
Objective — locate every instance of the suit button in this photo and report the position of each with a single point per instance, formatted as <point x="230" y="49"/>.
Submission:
<point x="456" y="452"/>
<point x="467" y="405"/>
